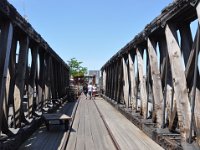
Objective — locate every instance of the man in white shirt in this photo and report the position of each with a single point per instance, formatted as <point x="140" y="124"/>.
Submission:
<point x="90" y="90"/>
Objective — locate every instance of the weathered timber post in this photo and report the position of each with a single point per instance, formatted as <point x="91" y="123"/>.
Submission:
<point x="110" y="79"/>
<point x="197" y="95"/>
<point x="5" y="48"/>
<point x="104" y="81"/>
<point x="40" y="85"/>
<point x="120" y="81"/>
<point x="181" y="95"/>
<point x="194" y="86"/>
<point x="20" y="81"/>
<point x="157" y="88"/>
<point x="132" y="82"/>
<point x="31" y="85"/>
<point x="143" y="93"/>
<point x="125" y="83"/>
<point x="113" y="80"/>
<point x="116" y="80"/>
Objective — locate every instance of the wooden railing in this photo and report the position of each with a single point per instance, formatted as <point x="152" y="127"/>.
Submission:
<point x="31" y="73"/>
<point x="157" y="73"/>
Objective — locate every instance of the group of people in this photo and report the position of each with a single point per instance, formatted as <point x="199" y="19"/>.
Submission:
<point x="90" y="90"/>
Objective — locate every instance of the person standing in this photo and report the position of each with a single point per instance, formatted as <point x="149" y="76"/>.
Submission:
<point x="94" y="91"/>
<point x="85" y="90"/>
<point x="90" y="90"/>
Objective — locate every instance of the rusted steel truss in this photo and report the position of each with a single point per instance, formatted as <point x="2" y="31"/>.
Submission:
<point x="157" y="74"/>
<point x="32" y="75"/>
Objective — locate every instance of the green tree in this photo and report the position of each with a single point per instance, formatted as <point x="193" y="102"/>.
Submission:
<point x="75" y="68"/>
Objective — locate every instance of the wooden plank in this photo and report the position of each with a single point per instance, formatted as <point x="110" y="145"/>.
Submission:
<point x="183" y="106"/>
<point x="113" y="81"/>
<point x="197" y="112"/>
<point x="108" y="82"/>
<point x="163" y="56"/>
<point x="95" y="134"/>
<point x="73" y="133"/>
<point x="104" y="81"/>
<point x="125" y="83"/>
<point x="5" y="48"/>
<point x="89" y="143"/>
<point x="119" y="90"/>
<point x="80" y="142"/>
<point x="117" y="80"/>
<point x="56" y="137"/>
<point x="186" y="41"/>
<point x="56" y="116"/>
<point x="132" y="81"/>
<point x="157" y="87"/>
<point x="40" y="85"/>
<point x="53" y="90"/>
<point x="31" y="86"/>
<point x="127" y="135"/>
<point x="143" y="93"/>
<point x="5" y="102"/>
<point x="198" y="11"/>
<point x="197" y="96"/>
<point x="167" y="77"/>
<point x="20" y="80"/>
<point x="46" y="90"/>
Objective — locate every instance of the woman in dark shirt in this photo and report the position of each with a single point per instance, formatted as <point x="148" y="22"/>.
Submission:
<point x="85" y="90"/>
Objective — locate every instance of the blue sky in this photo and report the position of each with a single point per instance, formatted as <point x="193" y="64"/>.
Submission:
<point x="92" y="31"/>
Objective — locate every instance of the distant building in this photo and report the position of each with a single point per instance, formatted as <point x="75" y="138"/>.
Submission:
<point x="96" y="73"/>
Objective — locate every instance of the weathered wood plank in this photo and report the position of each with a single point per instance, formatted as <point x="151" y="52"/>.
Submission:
<point x="5" y="104"/>
<point x="104" y="81"/>
<point x="89" y="143"/>
<point x="73" y="133"/>
<point x="197" y="96"/>
<point x="20" y="80"/>
<point x="31" y="86"/>
<point x="5" y="48"/>
<point x="132" y="81"/>
<point x="198" y="11"/>
<point x="113" y="81"/>
<point x="127" y="135"/>
<point x="120" y="86"/>
<point x="125" y="83"/>
<point x="40" y="81"/>
<point x="157" y="87"/>
<point x="109" y="80"/>
<point x="80" y="142"/>
<point x="143" y="93"/>
<point x="186" y="41"/>
<point x="117" y="80"/>
<point x="180" y="88"/>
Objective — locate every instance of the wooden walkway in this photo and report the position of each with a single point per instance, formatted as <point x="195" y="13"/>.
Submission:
<point x="89" y="131"/>
<point x="53" y="139"/>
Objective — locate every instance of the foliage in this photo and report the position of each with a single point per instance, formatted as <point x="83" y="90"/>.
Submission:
<point x="76" y="69"/>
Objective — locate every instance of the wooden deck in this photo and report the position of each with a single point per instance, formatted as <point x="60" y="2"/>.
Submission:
<point x="53" y="139"/>
<point x="89" y="132"/>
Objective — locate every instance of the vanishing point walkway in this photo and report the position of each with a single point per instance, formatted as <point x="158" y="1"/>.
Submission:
<point x="99" y="126"/>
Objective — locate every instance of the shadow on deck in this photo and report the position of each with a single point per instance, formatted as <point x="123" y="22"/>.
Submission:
<point x="56" y="137"/>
